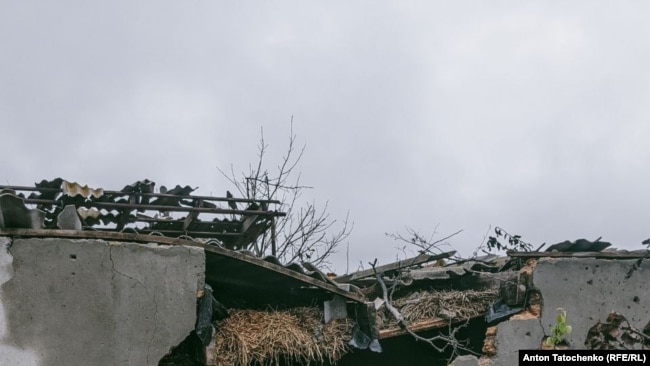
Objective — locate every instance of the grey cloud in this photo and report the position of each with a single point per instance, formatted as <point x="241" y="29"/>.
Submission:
<point x="531" y="116"/>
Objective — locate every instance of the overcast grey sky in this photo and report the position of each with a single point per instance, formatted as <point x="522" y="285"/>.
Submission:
<point x="533" y="116"/>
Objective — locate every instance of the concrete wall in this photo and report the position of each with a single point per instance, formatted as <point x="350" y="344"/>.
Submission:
<point x="93" y="302"/>
<point x="588" y="289"/>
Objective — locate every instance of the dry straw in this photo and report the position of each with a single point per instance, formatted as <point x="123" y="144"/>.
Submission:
<point x="253" y="337"/>
<point x="426" y="305"/>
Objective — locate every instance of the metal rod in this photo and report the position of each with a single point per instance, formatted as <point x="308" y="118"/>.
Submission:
<point x="149" y="219"/>
<point x="164" y="208"/>
<point x="273" y="244"/>
<point x="177" y="232"/>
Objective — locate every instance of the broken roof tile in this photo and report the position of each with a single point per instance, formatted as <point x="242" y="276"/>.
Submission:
<point x="76" y="189"/>
<point x="580" y="245"/>
<point x="14" y="213"/>
<point x="173" y="213"/>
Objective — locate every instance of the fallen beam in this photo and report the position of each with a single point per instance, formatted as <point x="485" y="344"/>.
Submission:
<point x="603" y="255"/>
<point x="422" y="326"/>
<point x="420" y="259"/>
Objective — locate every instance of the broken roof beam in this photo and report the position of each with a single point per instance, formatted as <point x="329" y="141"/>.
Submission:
<point x="420" y="259"/>
<point x="422" y="326"/>
<point x="605" y="255"/>
<point x="252" y="227"/>
<point x="192" y="216"/>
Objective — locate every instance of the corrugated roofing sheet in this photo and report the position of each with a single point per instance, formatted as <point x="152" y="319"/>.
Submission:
<point x="137" y="208"/>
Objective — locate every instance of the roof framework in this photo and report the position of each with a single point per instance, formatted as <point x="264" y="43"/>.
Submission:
<point x="233" y="222"/>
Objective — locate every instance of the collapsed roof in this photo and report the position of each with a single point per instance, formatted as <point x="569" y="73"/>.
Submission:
<point x="224" y="226"/>
<point x="431" y="291"/>
<point x="137" y="208"/>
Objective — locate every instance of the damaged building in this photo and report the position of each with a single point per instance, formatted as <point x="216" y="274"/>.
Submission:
<point x="147" y="276"/>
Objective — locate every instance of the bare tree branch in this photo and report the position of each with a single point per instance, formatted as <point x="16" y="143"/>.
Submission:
<point x="305" y="233"/>
<point x="448" y="341"/>
<point x="425" y="245"/>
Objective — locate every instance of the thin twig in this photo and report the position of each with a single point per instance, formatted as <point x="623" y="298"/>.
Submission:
<point x="450" y="340"/>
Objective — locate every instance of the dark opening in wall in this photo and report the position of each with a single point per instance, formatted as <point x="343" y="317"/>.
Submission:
<point x="404" y="350"/>
<point x="190" y="352"/>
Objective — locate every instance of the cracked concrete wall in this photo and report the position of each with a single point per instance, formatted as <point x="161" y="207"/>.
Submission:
<point x="93" y="302"/>
<point x="10" y="354"/>
<point x="588" y="289"/>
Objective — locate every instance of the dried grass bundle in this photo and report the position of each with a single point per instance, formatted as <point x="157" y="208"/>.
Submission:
<point x="266" y="337"/>
<point x="425" y="305"/>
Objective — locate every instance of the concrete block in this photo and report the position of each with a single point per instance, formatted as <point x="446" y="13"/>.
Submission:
<point x="91" y="302"/>
<point x="335" y="308"/>
<point x="516" y="335"/>
<point x="465" y="361"/>
<point x="68" y="219"/>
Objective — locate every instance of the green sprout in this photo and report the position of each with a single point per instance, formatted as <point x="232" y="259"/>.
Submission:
<point x="559" y="329"/>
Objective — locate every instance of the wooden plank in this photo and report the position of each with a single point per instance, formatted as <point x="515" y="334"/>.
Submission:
<point x="101" y="235"/>
<point x="248" y="222"/>
<point x="420" y="259"/>
<point x="422" y="326"/>
<point x="603" y="255"/>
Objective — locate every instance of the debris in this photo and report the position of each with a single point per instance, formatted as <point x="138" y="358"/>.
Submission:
<point x="75" y="189"/>
<point x="14" y="213"/>
<point x="135" y="208"/>
<point x="580" y="245"/>
<point x="617" y="333"/>
<point x="499" y="310"/>
<point x="68" y="219"/>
